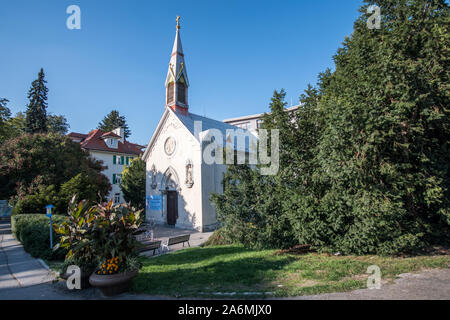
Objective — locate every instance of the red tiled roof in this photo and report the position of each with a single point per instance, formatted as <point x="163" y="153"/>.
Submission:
<point x="93" y="141"/>
<point x="77" y="135"/>
<point x="111" y="134"/>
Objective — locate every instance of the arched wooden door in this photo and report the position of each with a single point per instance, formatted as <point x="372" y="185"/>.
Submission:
<point x="172" y="207"/>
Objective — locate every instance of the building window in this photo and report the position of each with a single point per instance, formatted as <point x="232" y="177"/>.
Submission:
<point x="243" y="125"/>
<point x="259" y="123"/>
<point x="129" y="160"/>
<point x="181" y="93"/>
<point x="119" y="160"/>
<point x="117" y="198"/>
<point x="117" y="178"/>
<point x="170" y="93"/>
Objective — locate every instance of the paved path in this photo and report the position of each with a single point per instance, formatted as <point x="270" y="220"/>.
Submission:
<point x="164" y="233"/>
<point x="427" y="285"/>
<point x="17" y="268"/>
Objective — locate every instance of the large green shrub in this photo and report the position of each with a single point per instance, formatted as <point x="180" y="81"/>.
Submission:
<point x="33" y="231"/>
<point x="365" y="162"/>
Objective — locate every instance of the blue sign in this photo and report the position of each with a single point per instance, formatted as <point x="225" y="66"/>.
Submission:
<point x="154" y="202"/>
<point x="49" y="209"/>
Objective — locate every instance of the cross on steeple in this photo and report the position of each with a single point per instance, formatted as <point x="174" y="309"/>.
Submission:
<point x="177" y="82"/>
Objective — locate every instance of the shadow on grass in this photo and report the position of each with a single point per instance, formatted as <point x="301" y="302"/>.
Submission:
<point x="195" y="255"/>
<point x="207" y="270"/>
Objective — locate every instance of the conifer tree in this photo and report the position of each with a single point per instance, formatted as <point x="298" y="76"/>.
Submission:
<point x="133" y="183"/>
<point x="36" y="114"/>
<point x="57" y="124"/>
<point x="384" y="152"/>
<point x="365" y="164"/>
<point x="5" y="115"/>
<point x="114" y="120"/>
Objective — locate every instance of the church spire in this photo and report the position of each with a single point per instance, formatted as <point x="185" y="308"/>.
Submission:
<point x="177" y="81"/>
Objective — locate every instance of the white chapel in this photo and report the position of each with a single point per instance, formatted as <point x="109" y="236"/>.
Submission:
<point x="178" y="180"/>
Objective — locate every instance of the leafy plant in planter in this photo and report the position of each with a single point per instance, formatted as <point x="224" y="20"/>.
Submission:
<point x="112" y="239"/>
<point x="76" y="238"/>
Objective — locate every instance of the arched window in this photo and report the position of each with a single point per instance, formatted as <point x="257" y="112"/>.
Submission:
<point x="170" y="93"/>
<point x="181" y="93"/>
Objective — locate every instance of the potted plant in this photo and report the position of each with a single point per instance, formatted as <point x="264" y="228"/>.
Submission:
<point x="75" y="238"/>
<point x="113" y="240"/>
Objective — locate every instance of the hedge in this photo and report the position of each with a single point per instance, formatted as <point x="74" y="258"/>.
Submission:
<point x="32" y="230"/>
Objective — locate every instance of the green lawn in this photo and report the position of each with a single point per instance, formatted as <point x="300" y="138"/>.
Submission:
<point x="200" y="272"/>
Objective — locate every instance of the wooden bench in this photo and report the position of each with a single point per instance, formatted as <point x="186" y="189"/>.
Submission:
<point x="147" y="245"/>
<point x="142" y="228"/>
<point x="179" y="239"/>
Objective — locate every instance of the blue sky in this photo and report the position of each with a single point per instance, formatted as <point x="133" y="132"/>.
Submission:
<point x="237" y="52"/>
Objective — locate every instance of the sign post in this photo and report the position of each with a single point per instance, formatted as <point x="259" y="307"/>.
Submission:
<point x="49" y="209"/>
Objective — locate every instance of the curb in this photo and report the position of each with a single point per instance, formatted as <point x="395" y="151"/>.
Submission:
<point x="43" y="263"/>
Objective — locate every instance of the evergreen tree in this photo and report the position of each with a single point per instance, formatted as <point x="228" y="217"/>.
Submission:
<point x="57" y="124"/>
<point x="133" y="183"/>
<point x="36" y="114"/>
<point x="384" y="152"/>
<point x="114" y="120"/>
<point x="364" y="166"/>
<point x="5" y="115"/>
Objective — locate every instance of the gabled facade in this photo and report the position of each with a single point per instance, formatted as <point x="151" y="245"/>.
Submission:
<point x="114" y="150"/>
<point x="179" y="182"/>
<point x="253" y="122"/>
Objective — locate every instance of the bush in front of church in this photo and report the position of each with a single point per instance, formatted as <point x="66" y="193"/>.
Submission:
<point x="364" y="161"/>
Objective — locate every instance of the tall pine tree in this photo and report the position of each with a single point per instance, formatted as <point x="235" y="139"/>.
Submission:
<point x="5" y="115"/>
<point x="114" y="120"/>
<point x="36" y="114"/>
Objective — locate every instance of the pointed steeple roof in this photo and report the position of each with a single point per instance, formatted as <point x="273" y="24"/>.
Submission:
<point x="177" y="66"/>
<point x="177" y="48"/>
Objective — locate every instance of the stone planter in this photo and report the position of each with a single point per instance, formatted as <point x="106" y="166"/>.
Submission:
<point x="113" y="284"/>
<point x="84" y="281"/>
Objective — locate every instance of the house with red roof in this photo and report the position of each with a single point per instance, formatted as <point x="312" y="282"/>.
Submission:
<point x="114" y="150"/>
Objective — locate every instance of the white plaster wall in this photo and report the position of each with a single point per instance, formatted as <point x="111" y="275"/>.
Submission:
<point x="107" y="158"/>
<point x="211" y="183"/>
<point x="189" y="199"/>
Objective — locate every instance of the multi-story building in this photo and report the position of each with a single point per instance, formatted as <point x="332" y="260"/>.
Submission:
<point x="252" y="122"/>
<point x="115" y="152"/>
